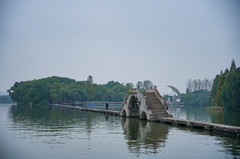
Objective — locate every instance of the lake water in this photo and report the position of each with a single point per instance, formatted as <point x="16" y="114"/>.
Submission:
<point x="201" y="114"/>
<point x="60" y="133"/>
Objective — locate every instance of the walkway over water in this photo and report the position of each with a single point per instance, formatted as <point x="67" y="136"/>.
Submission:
<point x="110" y="112"/>
<point x="151" y="106"/>
<point x="231" y="130"/>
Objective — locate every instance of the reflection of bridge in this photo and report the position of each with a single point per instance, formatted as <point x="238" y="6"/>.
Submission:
<point x="141" y="134"/>
<point x="149" y="105"/>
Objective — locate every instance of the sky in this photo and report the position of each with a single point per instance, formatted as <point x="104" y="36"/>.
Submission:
<point x="165" y="41"/>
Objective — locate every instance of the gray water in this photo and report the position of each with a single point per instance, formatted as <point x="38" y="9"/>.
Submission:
<point x="197" y="113"/>
<point x="60" y="133"/>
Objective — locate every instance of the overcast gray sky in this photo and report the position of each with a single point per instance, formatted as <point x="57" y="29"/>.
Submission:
<point x="165" y="41"/>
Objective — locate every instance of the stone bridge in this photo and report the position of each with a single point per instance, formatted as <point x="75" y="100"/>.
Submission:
<point x="149" y="105"/>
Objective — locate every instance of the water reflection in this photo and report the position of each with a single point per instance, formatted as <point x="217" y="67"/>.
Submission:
<point x="231" y="146"/>
<point x="143" y="136"/>
<point x="54" y="125"/>
<point x="199" y="113"/>
<point x="51" y="123"/>
<point x="84" y="131"/>
<point x="190" y="113"/>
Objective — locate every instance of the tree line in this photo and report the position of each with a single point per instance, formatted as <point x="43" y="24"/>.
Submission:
<point x="197" y="92"/>
<point x="223" y="91"/>
<point x="198" y="84"/>
<point x="195" y="98"/>
<point x="226" y="89"/>
<point x="142" y="85"/>
<point x="62" y="89"/>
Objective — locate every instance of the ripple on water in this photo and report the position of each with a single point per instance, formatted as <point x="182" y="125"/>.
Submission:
<point x="67" y="133"/>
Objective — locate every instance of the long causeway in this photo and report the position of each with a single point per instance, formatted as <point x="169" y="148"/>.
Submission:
<point x="227" y="129"/>
<point x="110" y="112"/>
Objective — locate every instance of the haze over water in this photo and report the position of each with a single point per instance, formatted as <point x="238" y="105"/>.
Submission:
<point x="167" y="42"/>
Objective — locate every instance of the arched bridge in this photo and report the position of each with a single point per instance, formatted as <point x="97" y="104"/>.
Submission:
<point x="149" y="105"/>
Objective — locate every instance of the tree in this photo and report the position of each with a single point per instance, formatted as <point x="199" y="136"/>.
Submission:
<point x="59" y="92"/>
<point x="195" y="98"/>
<point x="63" y="89"/>
<point x="74" y="94"/>
<point x="90" y="79"/>
<point x="148" y="84"/>
<point x="233" y="66"/>
<point x="90" y="88"/>
<point x="198" y="84"/>
<point x="231" y="91"/>
<point x="218" y="98"/>
<point x="212" y="100"/>
<point x="168" y="98"/>
<point x="13" y="92"/>
<point x="139" y="84"/>
<point x="187" y="91"/>
<point x="130" y="85"/>
<point x="225" y="89"/>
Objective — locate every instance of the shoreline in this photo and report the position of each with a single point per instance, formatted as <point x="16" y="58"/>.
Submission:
<point x="213" y="108"/>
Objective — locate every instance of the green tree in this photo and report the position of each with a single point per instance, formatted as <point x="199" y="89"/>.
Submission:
<point x="212" y="100"/>
<point x="225" y="89"/>
<point x="62" y="89"/>
<point x="90" y="79"/>
<point x="233" y="66"/>
<point x="168" y="97"/>
<point x="130" y="85"/>
<point x="90" y="88"/>
<point x="148" y="84"/>
<point x="231" y="91"/>
<point x="59" y="92"/>
<point x="195" y="98"/>
<point x="139" y="84"/>
<point x="218" y="98"/>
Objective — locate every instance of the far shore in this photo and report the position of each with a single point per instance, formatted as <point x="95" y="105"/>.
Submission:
<point x="215" y="108"/>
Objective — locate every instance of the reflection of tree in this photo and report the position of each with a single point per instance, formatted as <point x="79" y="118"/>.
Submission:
<point x="43" y="115"/>
<point x="144" y="136"/>
<point x="230" y="145"/>
<point x="217" y="116"/>
<point x="49" y="120"/>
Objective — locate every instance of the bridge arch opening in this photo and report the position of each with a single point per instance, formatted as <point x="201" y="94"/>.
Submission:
<point x="133" y="107"/>
<point x="124" y="114"/>
<point x="143" y="116"/>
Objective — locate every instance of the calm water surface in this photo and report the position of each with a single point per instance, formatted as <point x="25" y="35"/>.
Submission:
<point x="60" y="133"/>
<point x="201" y="114"/>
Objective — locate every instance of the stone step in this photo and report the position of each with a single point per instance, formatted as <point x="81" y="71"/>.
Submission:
<point x="156" y="106"/>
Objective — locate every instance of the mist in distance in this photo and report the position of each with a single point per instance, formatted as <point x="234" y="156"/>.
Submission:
<point x="167" y="42"/>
